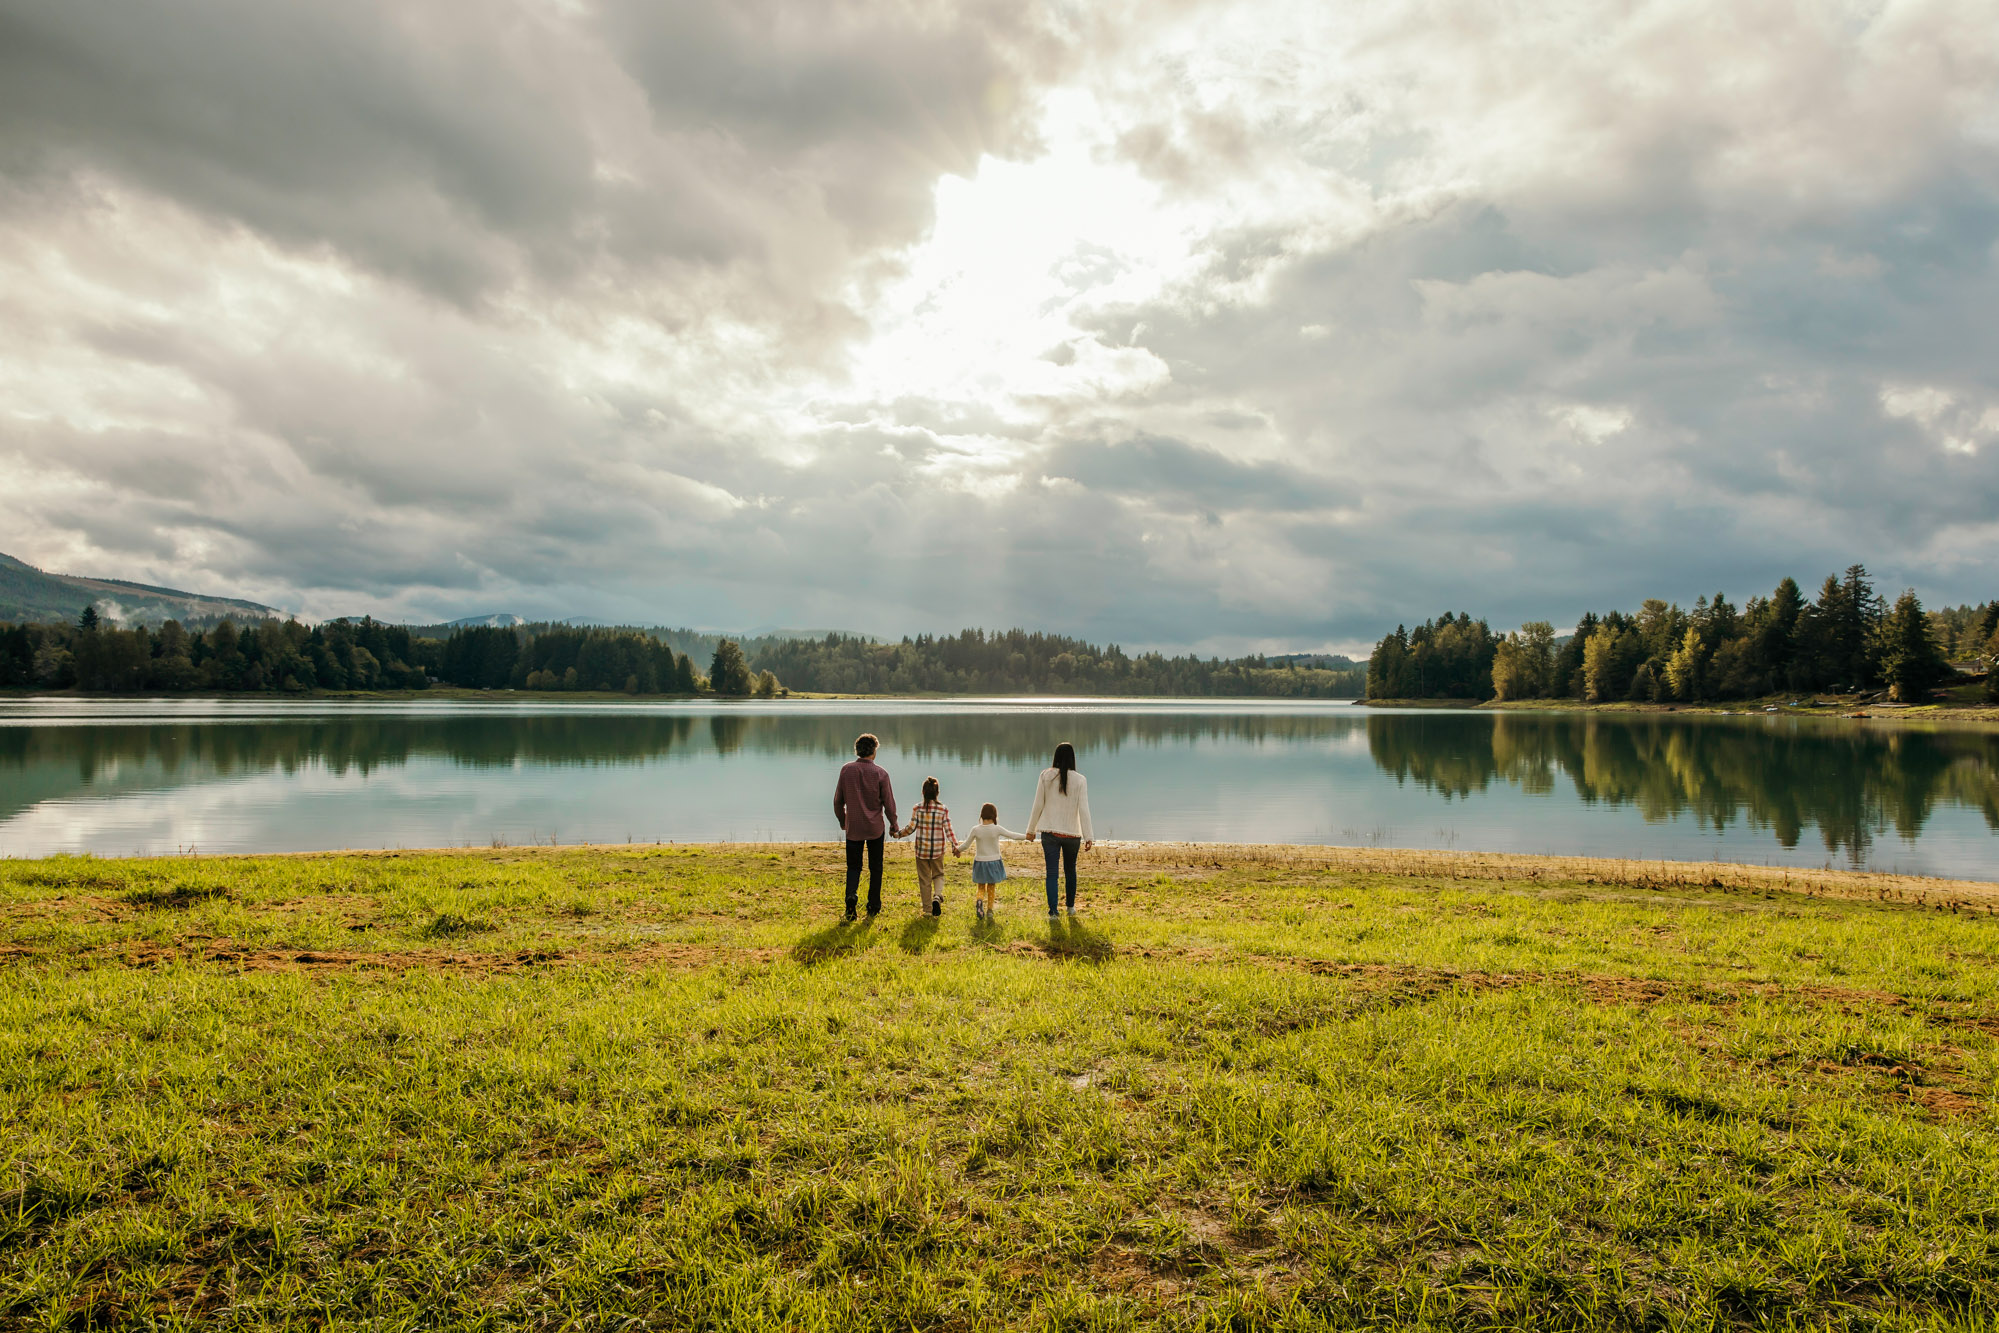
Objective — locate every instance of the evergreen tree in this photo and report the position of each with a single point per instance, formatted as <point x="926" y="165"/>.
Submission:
<point x="88" y="621"/>
<point x="1911" y="664"/>
<point x="1568" y="677"/>
<point x="1853" y="633"/>
<point x="729" y="672"/>
<point x="1777" y="639"/>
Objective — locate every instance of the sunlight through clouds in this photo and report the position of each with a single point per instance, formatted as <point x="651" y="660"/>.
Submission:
<point x="989" y="309"/>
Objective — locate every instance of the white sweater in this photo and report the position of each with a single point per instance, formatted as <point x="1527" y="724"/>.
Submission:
<point x="984" y="840"/>
<point x="1056" y="811"/>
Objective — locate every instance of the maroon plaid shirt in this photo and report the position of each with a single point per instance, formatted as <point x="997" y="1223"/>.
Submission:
<point x="931" y="823"/>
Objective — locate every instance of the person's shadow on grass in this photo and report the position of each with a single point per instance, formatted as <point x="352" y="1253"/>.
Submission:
<point x="916" y="936"/>
<point x="842" y="937"/>
<point x="1069" y="938"/>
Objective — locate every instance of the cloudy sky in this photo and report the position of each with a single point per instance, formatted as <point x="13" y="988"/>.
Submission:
<point x="1218" y="324"/>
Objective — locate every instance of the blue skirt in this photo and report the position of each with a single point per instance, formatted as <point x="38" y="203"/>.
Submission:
<point x="988" y="872"/>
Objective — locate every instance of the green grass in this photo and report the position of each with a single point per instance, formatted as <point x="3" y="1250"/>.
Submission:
<point x="666" y="1087"/>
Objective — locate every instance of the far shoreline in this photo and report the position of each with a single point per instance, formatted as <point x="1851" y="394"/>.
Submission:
<point x="1768" y="706"/>
<point x="1778" y="705"/>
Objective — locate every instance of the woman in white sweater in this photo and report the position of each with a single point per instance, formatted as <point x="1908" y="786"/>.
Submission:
<point x="1061" y="817"/>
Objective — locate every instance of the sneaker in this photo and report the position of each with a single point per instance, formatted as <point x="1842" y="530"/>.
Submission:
<point x="850" y="918"/>
<point x="979" y="908"/>
<point x="937" y="905"/>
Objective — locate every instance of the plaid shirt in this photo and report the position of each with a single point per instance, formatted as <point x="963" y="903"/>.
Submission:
<point x="931" y="823"/>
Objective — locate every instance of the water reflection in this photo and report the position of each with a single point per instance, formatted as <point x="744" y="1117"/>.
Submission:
<point x="1784" y="776"/>
<point x="365" y="743"/>
<point x="150" y="777"/>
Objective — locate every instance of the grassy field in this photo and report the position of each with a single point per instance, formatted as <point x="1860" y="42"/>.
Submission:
<point x="1249" y="1088"/>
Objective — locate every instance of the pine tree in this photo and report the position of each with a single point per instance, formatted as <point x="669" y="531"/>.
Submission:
<point x="729" y="673"/>
<point x="88" y="621"/>
<point x="1860" y="615"/>
<point x="1779" y="645"/>
<point x="1911" y="664"/>
<point x="1568" y="677"/>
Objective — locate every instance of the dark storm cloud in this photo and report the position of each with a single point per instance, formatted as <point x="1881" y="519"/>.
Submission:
<point x="414" y="151"/>
<point x="443" y="143"/>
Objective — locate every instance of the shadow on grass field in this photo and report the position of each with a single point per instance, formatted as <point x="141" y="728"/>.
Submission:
<point x="1283" y="1088"/>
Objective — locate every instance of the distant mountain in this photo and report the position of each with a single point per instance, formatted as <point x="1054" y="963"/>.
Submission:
<point x="26" y="593"/>
<point x="1330" y="661"/>
<point x="497" y="620"/>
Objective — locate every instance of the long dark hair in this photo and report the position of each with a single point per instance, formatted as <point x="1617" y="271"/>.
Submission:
<point x="1064" y="764"/>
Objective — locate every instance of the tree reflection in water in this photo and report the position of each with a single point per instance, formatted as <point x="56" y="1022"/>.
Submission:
<point x="1785" y="775"/>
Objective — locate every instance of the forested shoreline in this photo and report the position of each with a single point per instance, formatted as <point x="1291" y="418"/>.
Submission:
<point x="288" y="657"/>
<point x="1017" y="661"/>
<point x="1847" y="640"/>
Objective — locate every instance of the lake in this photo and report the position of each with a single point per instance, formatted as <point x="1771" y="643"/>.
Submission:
<point x="116" y="777"/>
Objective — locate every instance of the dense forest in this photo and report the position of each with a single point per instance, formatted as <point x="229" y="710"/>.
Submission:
<point x="1848" y="639"/>
<point x="1017" y="662"/>
<point x="289" y="657"/>
<point x="284" y="656"/>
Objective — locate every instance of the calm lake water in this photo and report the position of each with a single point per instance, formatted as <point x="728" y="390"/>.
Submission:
<point x="151" y="776"/>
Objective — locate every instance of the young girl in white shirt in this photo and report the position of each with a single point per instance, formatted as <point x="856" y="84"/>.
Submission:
<point x="988" y="870"/>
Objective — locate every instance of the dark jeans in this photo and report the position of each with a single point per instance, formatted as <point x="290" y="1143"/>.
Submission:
<point x="1060" y="849"/>
<point x="874" y="846"/>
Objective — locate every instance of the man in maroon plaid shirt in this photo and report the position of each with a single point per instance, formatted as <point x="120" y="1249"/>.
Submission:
<point x="930" y="822"/>
<point x="864" y="803"/>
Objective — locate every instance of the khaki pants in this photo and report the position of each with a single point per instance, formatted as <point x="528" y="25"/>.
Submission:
<point x="929" y="877"/>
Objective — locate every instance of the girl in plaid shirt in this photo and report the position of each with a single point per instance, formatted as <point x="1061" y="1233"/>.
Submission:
<point x="931" y="823"/>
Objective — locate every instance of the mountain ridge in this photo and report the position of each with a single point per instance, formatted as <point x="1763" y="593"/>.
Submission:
<point x="31" y="594"/>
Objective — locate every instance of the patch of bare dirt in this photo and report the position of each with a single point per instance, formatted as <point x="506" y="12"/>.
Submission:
<point x="82" y="908"/>
<point x="337" y="902"/>
<point x="225" y="952"/>
<point x="1945" y="1103"/>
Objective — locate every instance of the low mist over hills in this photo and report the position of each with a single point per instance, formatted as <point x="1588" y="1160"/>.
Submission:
<point x="28" y="594"/>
